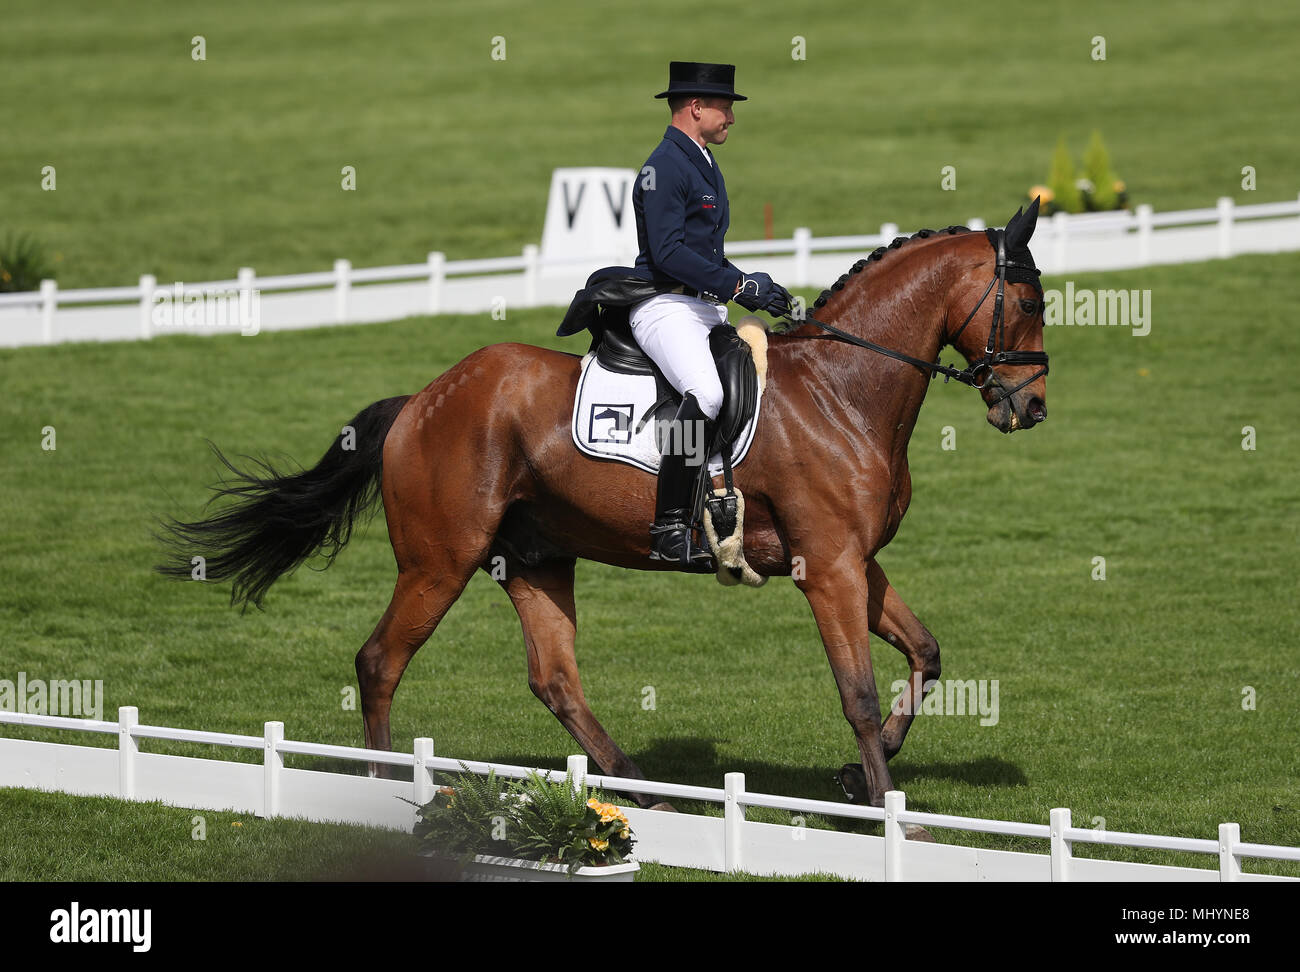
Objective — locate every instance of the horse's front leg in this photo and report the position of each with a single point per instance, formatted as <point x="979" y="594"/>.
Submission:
<point x="839" y="596"/>
<point x="893" y="621"/>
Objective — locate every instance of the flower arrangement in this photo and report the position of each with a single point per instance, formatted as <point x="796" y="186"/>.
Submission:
<point x="23" y="263"/>
<point x="1097" y="189"/>
<point x="532" y="819"/>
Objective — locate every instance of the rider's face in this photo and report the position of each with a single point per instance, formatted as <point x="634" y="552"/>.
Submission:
<point x="715" y="119"/>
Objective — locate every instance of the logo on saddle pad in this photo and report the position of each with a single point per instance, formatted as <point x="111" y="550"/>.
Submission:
<point x="611" y="423"/>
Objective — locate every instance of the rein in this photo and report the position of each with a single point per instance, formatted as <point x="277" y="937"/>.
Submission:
<point x="994" y="353"/>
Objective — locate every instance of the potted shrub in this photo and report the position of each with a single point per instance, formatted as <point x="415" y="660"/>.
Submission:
<point x="1096" y="189"/>
<point x="490" y="829"/>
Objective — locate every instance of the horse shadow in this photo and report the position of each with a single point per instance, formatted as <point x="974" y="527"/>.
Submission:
<point x="694" y="761"/>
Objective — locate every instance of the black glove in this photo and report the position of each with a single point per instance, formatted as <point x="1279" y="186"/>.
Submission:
<point x="759" y="292"/>
<point x="781" y="303"/>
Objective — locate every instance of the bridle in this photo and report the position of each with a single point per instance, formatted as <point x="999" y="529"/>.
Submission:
<point x="979" y="374"/>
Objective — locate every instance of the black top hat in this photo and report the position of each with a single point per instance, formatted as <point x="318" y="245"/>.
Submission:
<point x="693" y="78"/>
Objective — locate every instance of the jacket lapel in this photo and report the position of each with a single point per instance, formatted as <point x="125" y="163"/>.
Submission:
<point x="694" y="153"/>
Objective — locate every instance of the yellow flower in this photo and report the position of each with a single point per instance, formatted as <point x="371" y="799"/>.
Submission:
<point x="600" y="845"/>
<point x="625" y="833"/>
<point x="593" y="803"/>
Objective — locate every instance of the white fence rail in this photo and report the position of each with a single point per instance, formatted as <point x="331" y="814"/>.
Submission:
<point x="346" y="295"/>
<point x="727" y="843"/>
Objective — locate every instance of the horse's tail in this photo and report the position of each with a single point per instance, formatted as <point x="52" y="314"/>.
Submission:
<point x="278" y="521"/>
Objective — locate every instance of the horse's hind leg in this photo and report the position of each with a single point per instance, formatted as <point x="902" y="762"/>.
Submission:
<point x="893" y="621"/>
<point x="543" y="597"/>
<point x="441" y="526"/>
<point x="419" y="602"/>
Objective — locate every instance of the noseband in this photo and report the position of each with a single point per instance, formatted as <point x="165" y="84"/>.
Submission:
<point x="979" y="374"/>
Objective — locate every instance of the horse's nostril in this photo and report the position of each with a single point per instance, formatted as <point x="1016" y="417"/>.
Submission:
<point x="1037" y="410"/>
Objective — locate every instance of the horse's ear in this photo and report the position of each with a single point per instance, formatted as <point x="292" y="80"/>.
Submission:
<point x="1020" y="228"/>
<point x="1031" y="219"/>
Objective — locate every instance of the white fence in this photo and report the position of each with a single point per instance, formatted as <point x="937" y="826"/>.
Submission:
<point x="727" y="843"/>
<point x="345" y="295"/>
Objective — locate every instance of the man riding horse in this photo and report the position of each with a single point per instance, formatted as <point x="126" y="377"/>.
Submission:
<point x="479" y="468"/>
<point x="682" y="216"/>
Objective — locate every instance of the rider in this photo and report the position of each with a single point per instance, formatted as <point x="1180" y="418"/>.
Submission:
<point x="681" y="217"/>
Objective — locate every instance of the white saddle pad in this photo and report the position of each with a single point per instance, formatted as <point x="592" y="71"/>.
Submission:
<point x="608" y="408"/>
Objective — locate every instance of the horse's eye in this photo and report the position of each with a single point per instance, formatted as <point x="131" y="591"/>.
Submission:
<point x="1030" y="307"/>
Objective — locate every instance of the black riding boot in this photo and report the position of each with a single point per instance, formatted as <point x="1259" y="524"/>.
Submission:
<point x="670" y="534"/>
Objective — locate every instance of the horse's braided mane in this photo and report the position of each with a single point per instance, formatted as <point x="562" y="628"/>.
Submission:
<point x="880" y="252"/>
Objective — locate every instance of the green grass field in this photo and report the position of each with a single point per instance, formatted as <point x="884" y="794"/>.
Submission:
<point x="1120" y="698"/>
<point x="189" y="170"/>
<point x="54" y="837"/>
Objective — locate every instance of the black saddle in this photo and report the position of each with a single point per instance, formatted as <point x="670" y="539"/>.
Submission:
<point x="617" y="350"/>
<point x="603" y="307"/>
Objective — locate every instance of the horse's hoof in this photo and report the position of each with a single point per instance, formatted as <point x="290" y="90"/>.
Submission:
<point x="915" y="832"/>
<point x="853" y="782"/>
<point x="665" y="807"/>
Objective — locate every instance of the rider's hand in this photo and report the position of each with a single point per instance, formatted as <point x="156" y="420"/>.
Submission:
<point x="781" y="304"/>
<point x="757" y="291"/>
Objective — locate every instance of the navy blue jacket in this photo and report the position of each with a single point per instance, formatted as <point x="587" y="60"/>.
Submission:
<point x="680" y="223"/>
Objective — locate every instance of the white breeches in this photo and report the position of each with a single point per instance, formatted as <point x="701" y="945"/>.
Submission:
<point x="673" y="330"/>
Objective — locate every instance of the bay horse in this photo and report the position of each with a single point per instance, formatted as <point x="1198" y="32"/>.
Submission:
<point x="481" y="464"/>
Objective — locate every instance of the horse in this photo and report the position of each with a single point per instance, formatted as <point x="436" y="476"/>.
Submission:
<point x="480" y="465"/>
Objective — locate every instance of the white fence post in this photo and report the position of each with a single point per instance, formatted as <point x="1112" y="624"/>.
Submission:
<point x="1145" y="229"/>
<point x="1062" y="849"/>
<point x="895" y="834"/>
<point x="148" y="284"/>
<point x="49" y="304"/>
<point x="887" y="232"/>
<point x="423" y="774"/>
<point x="1225" y="226"/>
<point x="1229" y="863"/>
<point x="802" y="255"/>
<point x="246" y="282"/>
<point x="1060" y="231"/>
<point x="437" y="274"/>
<point x="577" y="765"/>
<point x="128" y="717"/>
<point x="977" y="224"/>
<point x="272" y="767"/>
<point x="733" y="822"/>
<point x="342" y="286"/>
<point x="531" y="269"/>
